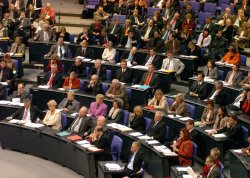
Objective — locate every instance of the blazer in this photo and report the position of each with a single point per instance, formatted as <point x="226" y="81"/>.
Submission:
<point x="181" y="109"/>
<point x="158" y="43"/>
<point x="163" y="104"/>
<point x="185" y="153"/>
<point x="85" y="124"/>
<point x="195" y="135"/>
<point x="125" y="77"/>
<point x="124" y="40"/>
<point x="220" y="123"/>
<point x="156" y="61"/>
<point x="66" y="36"/>
<point x="109" y="55"/>
<point x="228" y="32"/>
<point x="176" y="44"/>
<point x="120" y="94"/>
<point x="178" y="65"/>
<point x="135" y="58"/>
<point x="53" y="120"/>
<point x="213" y="73"/>
<point x="23" y="95"/>
<point x="117" y="119"/>
<point x="243" y="19"/>
<point x="157" y="131"/>
<point x="238" y="77"/>
<point x="88" y="38"/>
<point x="117" y="31"/>
<point x="17" y="49"/>
<point x="153" y="81"/>
<point x="133" y="22"/>
<point x="33" y="16"/>
<point x="56" y="83"/>
<point x="79" y="70"/>
<point x="21" y="4"/>
<point x="96" y="89"/>
<point x="26" y="25"/>
<point x="40" y="35"/>
<point x="246" y="80"/>
<point x="75" y="83"/>
<point x="144" y="30"/>
<point x="38" y="3"/>
<point x="101" y="73"/>
<point x="212" y="27"/>
<point x="211" y="118"/>
<point x="88" y="53"/>
<point x="7" y="74"/>
<point x="34" y="114"/>
<point x="54" y="49"/>
<point x="214" y="173"/>
<point x="201" y="90"/>
<point x="96" y="111"/>
<point x="138" y="124"/>
<point x="234" y="60"/>
<point x="51" y="13"/>
<point x="74" y="107"/>
<point x="221" y="98"/>
<point x="176" y="25"/>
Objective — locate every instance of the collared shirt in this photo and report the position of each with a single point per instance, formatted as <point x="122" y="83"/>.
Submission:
<point x="171" y="65"/>
<point x="26" y="115"/>
<point x="147" y="32"/>
<point x="131" y="162"/>
<point x="58" y="51"/>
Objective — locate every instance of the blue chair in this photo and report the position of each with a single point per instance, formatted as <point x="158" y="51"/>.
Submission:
<point x="117" y="57"/>
<point x="125" y="117"/>
<point x="105" y="87"/>
<point x="151" y="10"/>
<point x="63" y="120"/>
<point x="31" y="97"/>
<point x="16" y="65"/>
<point x="170" y="101"/>
<point x="191" y="110"/>
<point x="82" y="85"/>
<point x="245" y="134"/>
<point x="7" y="89"/>
<point x="221" y="170"/>
<point x="202" y="18"/>
<point x="116" y="148"/>
<point x="121" y="17"/>
<point x="182" y="4"/>
<point x="166" y="136"/>
<point x="243" y="60"/>
<point x="71" y="38"/>
<point x="69" y="54"/>
<point x="194" y="156"/>
<point x="223" y="7"/>
<point x="108" y="75"/>
<point x="129" y="93"/>
<point x="210" y="7"/>
<point x="63" y="69"/>
<point x="147" y="122"/>
<point x="220" y="2"/>
<point x="195" y="6"/>
<point x="221" y="74"/>
<point x="87" y="71"/>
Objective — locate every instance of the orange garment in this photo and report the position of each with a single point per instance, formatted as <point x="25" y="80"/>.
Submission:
<point x="185" y="153"/>
<point x="234" y="60"/>
<point x="75" y="83"/>
<point x="51" y="13"/>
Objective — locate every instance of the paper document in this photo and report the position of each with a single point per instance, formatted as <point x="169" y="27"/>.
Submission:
<point x="86" y="60"/>
<point x="152" y="142"/>
<point x="13" y="121"/>
<point x="222" y="135"/>
<point x="4" y="102"/>
<point x="4" y="83"/>
<point x="174" y="116"/>
<point x="82" y="142"/>
<point x="93" y="148"/>
<point x="63" y="133"/>
<point x="113" y="166"/>
<point x="238" y="151"/>
<point x="136" y="134"/>
<point x="33" y="125"/>
<point x="43" y="86"/>
<point x="181" y="168"/>
<point x="145" y="137"/>
<point x="185" y="118"/>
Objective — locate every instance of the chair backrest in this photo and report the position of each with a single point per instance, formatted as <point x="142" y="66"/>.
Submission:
<point x="181" y="4"/>
<point x="220" y="2"/>
<point x="105" y="87"/>
<point x="87" y="71"/>
<point x="245" y="134"/>
<point x="221" y="170"/>
<point x="116" y="148"/>
<point x="69" y="53"/>
<point x="16" y="65"/>
<point x="63" y="120"/>
<point x="63" y="69"/>
<point x="121" y="17"/>
<point x="151" y="10"/>
<point x="147" y="122"/>
<point x="129" y="93"/>
<point x="191" y="110"/>
<point x="170" y="101"/>
<point x="166" y="136"/>
<point x="195" y="147"/>
<point x="71" y="38"/>
<point x="82" y="85"/>
<point x="117" y="57"/>
<point x="195" y="6"/>
<point x="7" y="90"/>
<point x="31" y="97"/>
<point x="221" y="74"/>
<point x="202" y="17"/>
<point x="108" y="75"/>
<point x="224" y="6"/>
<point x="210" y="7"/>
<point x="243" y="60"/>
<point x="125" y="117"/>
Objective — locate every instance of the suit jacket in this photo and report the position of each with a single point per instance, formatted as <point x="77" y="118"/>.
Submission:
<point x="120" y="94"/>
<point x="176" y="48"/>
<point x="212" y="27"/>
<point x="228" y="32"/>
<point x="7" y="74"/>
<point x="153" y="82"/>
<point x="201" y="90"/>
<point x="54" y="49"/>
<point x="56" y="83"/>
<point x="125" y="77"/>
<point x="209" y="120"/>
<point x="26" y="25"/>
<point x="156" y="61"/>
<point x="16" y="49"/>
<point x="88" y="52"/>
<point x="158" y="43"/>
<point x="213" y="73"/>
<point x="124" y="40"/>
<point x="214" y="173"/>
<point x="34" y="114"/>
<point x="66" y="36"/>
<point x="234" y="18"/>
<point x="79" y="70"/>
<point x="132" y="19"/>
<point x="181" y="109"/>
<point x="38" y="3"/>
<point x="96" y="111"/>
<point x="89" y="38"/>
<point x="144" y="30"/>
<point x="238" y="77"/>
<point x="157" y="131"/>
<point x="85" y="124"/>
<point x="138" y="124"/>
<point x="221" y="98"/>
<point x="135" y="58"/>
<point x="101" y="73"/>
<point x="178" y="65"/>
<point x="40" y="35"/>
<point x="118" y="118"/>
<point x="117" y="31"/>
<point x="177" y="25"/>
<point x="32" y="16"/>
<point x="2" y="92"/>
<point x="75" y="83"/>
<point x="21" y="4"/>
<point x="74" y="107"/>
<point x="53" y="120"/>
<point x="23" y="95"/>
<point x="195" y="135"/>
<point x="51" y="13"/>
<point x="96" y="89"/>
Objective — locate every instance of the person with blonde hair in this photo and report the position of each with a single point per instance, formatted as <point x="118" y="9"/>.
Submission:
<point x="136" y="120"/>
<point x="53" y="116"/>
<point x="179" y="106"/>
<point x="159" y="102"/>
<point x="98" y="108"/>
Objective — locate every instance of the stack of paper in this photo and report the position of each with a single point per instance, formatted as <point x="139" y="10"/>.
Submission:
<point x="152" y="142"/>
<point x="113" y="166"/>
<point x="185" y="118"/>
<point x="83" y="142"/>
<point x="86" y="60"/>
<point x="4" y="102"/>
<point x="145" y="137"/>
<point x="207" y="79"/>
<point x="136" y="134"/>
<point x="174" y="116"/>
<point x="63" y="133"/>
<point x="33" y="125"/>
<point x="139" y="67"/>
<point x="87" y="145"/>
<point x="222" y="135"/>
<point x="43" y="86"/>
<point x="14" y="121"/>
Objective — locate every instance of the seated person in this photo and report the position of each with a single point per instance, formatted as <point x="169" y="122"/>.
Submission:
<point x="69" y="104"/>
<point x="109" y="53"/>
<point x="204" y="39"/>
<point x="63" y="34"/>
<point x="100" y="15"/>
<point x="71" y="82"/>
<point x="114" y="31"/>
<point x="240" y="98"/>
<point x="135" y="162"/>
<point x="94" y="86"/>
<point x="100" y="122"/>
<point x="128" y="41"/>
<point x="184" y="148"/>
<point x="3" y="30"/>
<point x="84" y="50"/>
<point x="159" y="102"/>
<point x="94" y="30"/>
<point x="6" y="74"/>
<point x="243" y="36"/>
<point x="116" y="90"/>
<point x="124" y="74"/>
<point x="78" y="67"/>
<point x="136" y="120"/>
<point x="53" y="78"/>
<point x="26" y="113"/>
<point x="245" y="84"/>
<point x="22" y="26"/>
<point x="217" y="45"/>
<point x="131" y="57"/>
<point x="98" y="108"/>
<point x="85" y="35"/>
<point x="43" y="35"/>
<point x="18" y="46"/>
<point x="215" y="152"/>
<point x="157" y="127"/>
<point x="234" y="77"/>
<point x="115" y="114"/>
<point x="152" y="58"/>
<point x="147" y="32"/>
<point x="54" y="59"/>
<point x="99" y="70"/>
<point x="245" y="104"/>
<point x="60" y="49"/>
<point x="228" y="30"/>
<point x="49" y="11"/>
<point x="53" y="116"/>
<point x="221" y="118"/>
<point x="192" y="131"/>
<point x="194" y="50"/>
<point x="172" y="44"/>
<point x="219" y="95"/>
<point x="9" y="62"/>
<point x="199" y="87"/>
<point x="2" y="92"/>
<point x="82" y="122"/>
<point x="247" y="149"/>
<point x="20" y="93"/>
<point x="213" y="169"/>
<point x="210" y="70"/>
<point x="179" y="107"/>
<point x="156" y="42"/>
<point x="150" y="78"/>
<point x="209" y="115"/>
<point x="231" y="57"/>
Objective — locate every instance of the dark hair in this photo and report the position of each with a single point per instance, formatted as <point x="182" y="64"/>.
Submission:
<point x="212" y="62"/>
<point x="233" y="116"/>
<point x="201" y="73"/>
<point x="211" y="102"/>
<point x="206" y="29"/>
<point x="224" y="110"/>
<point x="190" y="121"/>
<point x="186" y="134"/>
<point x="154" y="49"/>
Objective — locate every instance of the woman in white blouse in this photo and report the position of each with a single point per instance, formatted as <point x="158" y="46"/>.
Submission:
<point x="53" y="116"/>
<point x="205" y="39"/>
<point x="159" y="102"/>
<point x="109" y="53"/>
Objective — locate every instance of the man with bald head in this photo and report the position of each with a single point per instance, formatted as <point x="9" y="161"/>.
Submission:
<point x="99" y="70"/>
<point x="100" y="122"/>
<point x="43" y="35"/>
<point x="131" y="57"/>
<point x="82" y="122"/>
<point x="116" y="90"/>
<point x="20" y="93"/>
<point x="53" y="78"/>
<point x="78" y="67"/>
<point x="94" y="86"/>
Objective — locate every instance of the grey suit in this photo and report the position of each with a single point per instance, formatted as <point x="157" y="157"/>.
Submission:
<point x="85" y="124"/>
<point x="40" y="36"/>
<point x="178" y="65"/>
<point x="23" y="95"/>
<point x="73" y="107"/>
<point x="238" y="77"/>
<point x="54" y="50"/>
<point x="214" y="173"/>
<point x="17" y="49"/>
<point x="213" y="73"/>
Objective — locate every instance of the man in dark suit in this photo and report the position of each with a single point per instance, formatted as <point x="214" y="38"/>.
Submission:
<point x="199" y="87"/>
<point x="37" y="4"/>
<point x="22" y="26"/>
<point x="136" y="19"/>
<point x="60" y="49"/>
<point x="131" y="56"/>
<point x="20" y="93"/>
<point x="94" y="86"/>
<point x="124" y="74"/>
<point x="6" y="74"/>
<point x="78" y="67"/>
<point x="19" y="5"/>
<point x="175" y="22"/>
<point x="234" y="77"/>
<point x="85" y="35"/>
<point x="147" y="32"/>
<point x="2" y="92"/>
<point x="152" y="59"/>
<point x="150" y="78"/>
<point x="156" y="42"/>
<point x="172" y="44"/>
<point x="84" y="51"/>
<point x="99" y="70"/>
<point x="31" y="13"/>
<point x="128" y="41"/>
<point x="228" y="30"/>
<point x="136" y="161"/>
<point x="43" y="35"/>
<point x="219" y="95"/>
<point x="53" y="78"/>
<point x="115" y="31"/>
<point x="209" y="25"/>
<point x="214" y="171"/>
<point x="193" y="132"/>
<point x="82" y="122"/>
<point x="26" y="113"/>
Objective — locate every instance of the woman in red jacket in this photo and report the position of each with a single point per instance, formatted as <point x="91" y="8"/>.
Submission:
<point x="184" y="148"/>
<point x="245" y="105"/>
<point x="71" y="82"/>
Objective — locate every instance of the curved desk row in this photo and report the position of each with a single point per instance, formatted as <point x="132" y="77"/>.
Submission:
<point x="45" y="144"/>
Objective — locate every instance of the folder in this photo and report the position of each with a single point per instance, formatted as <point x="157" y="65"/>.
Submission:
<point x="63" y="134"/>
<point x="74" y="138"/>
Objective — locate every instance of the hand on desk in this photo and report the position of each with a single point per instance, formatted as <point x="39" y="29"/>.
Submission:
<point x="110" y="95"/>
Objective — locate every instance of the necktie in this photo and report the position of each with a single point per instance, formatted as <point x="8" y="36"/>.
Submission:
<point x="148" y="79"/>
<point x="113" y="30"/>
<point x="25" y="114"/>
<point x="61" y="53"/>
<point x="165" y="35"/>
<point x="230" y="80"/>
<point x="155" y="124"/>
<point x="149" y="61"/>
<point x="83" y="52"/>
<point x="51" y="80"/>
<point x="73" y="127"/>
<point x="208" y="72"/>
<point x="46" y="39"/>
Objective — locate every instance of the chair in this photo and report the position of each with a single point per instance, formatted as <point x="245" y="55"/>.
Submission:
<point x="221" y="170"/>
<point x="31" y="97"/>
<point x="220" y="2"/>
<point x="243" y="60"/>
<point x="7" y="90"/>
<point x="108" y="75"/>
<point x="64" y="120"/>
<point x="16" y="65"/>
<point x="151" y="10"/>
<point x="194" y="152"/>
<point x="245" y="134"/>
<point x="116" y="148"/>
<point x="129" y="93"/>
<point x="170" y="101"/>
<point x="221" y="74"/>
<point x="166" y="136"/>
<point x="202" y="17"/>
<point x="181" y="4"/>
<point x="191" y="110"/>
<point x="210" y="7"/>
<point x="223" y="7"/>
<point x="87" y="71"/>
<point x="121" y="17"/>
<point x="71" y="38"/>
<point x="69" y="54"/>
<point x="147" y="122"/>
<point x="82" y="85"/>
<point x="117" y="57"/>
<point x="63" y="69"/>
<point x="125" y="117"/>
<point x="105" y="87"/>
<point x="195" y="6"/>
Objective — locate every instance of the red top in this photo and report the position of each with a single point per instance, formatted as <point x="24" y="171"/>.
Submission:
<point x="75" y="83"/>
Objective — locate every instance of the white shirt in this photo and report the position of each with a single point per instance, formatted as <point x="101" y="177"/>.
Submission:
<point x="206" y="41"/>
<point x="237" y="22"/>
<point x="147" y="32"/>
<point x="27" y="119"/>
<point x="46" y="37"/>
<point x="109" y="55"/>
<point x="150" y="60"/>
<point x="171" y="65"/>
<point x="213" y="96"/>
<point x="58" y="51"/>
<point x="131" y="163"/>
